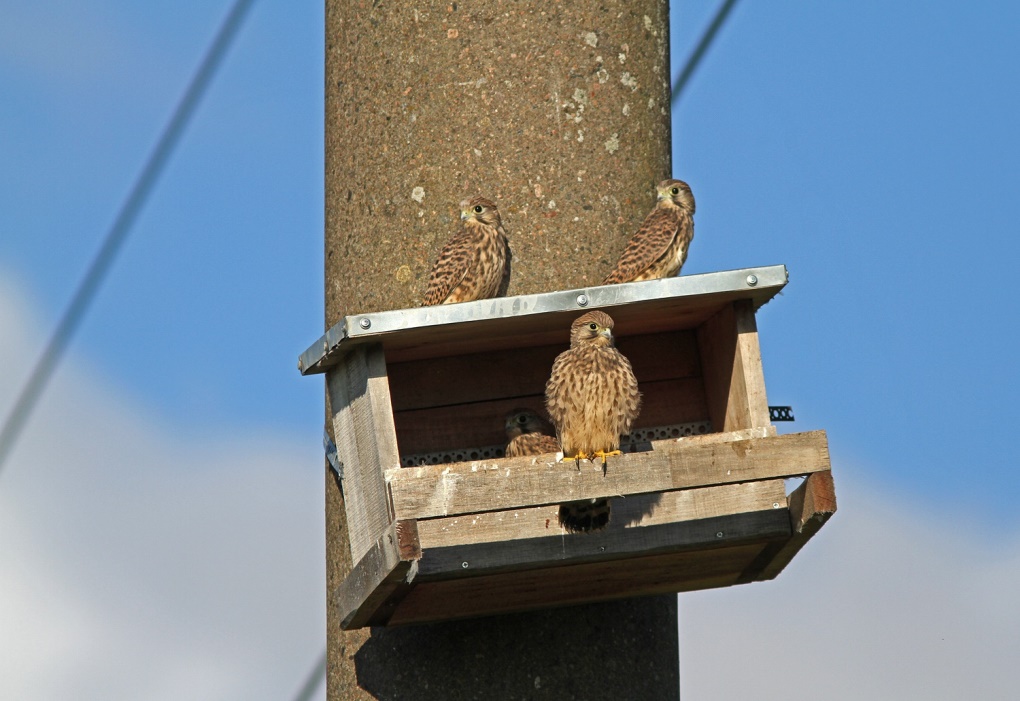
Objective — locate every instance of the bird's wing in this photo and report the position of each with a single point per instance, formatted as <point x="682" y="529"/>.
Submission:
<point x="631" y="405"/>
<point x="650" y="243"/>
<point x="536" y="444"/>
<point x="453" y="263"/>
<point x="554" y="395"/>
<point x="504" y="283"/>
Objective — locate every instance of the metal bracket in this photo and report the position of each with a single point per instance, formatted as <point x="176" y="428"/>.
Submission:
<point x="781" y="413"/>
<point x="331" y="455"/>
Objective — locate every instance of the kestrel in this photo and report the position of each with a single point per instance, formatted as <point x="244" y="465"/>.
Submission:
<point x="659" y="248"/>
<point x="592" y="395"/>
<point x="529" y="434"/>
<point x="475" y="263"/>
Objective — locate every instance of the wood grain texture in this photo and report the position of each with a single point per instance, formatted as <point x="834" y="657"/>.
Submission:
<point x="752" y="376"/>
<point x="574" y="584"/>
<point x="812" y="504"/>
<point x="731" y="362"/>
<point x="461" y="426"/>
<point x="502" y="374"/>
<point x="461" y="488"/>
<point x="475" y="559"/>
<point x="629" y="513"/>
<point x="730" y="436"/>
<point x="366" y="442"/>
<point x="384" y="572"/>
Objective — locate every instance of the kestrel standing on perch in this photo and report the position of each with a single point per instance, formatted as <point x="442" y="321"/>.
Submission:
<point x="659" y="248"/>
<point x="529" y="434"/>
<point x="592" y="395"/>
<point x="475" y="263"/>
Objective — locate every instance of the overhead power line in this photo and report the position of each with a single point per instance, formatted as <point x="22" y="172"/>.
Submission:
<point x="313" y="680"/>
<point x="699" y="51"/>
<point x="118" y="232"/>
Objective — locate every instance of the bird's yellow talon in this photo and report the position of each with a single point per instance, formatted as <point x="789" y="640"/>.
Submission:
<point x="578" y="457"/>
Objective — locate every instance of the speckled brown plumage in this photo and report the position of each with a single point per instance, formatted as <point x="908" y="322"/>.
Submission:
<point x="592" y="395"/>
<point x="659" y="248"/>
<point x="529" y="434"/>
<point x="475" y="263"/>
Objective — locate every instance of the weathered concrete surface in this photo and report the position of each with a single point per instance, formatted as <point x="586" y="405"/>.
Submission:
<point x="559" y="111"/>
<point x="619" y="650"/>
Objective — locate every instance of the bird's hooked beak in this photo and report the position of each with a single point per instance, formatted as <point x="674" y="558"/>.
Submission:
<point x="662" y="195"/>
<point x="606" y="333"/>
<point x="465" y="210"/>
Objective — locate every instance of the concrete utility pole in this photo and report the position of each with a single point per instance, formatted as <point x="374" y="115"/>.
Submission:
<point x="558" y="111"/>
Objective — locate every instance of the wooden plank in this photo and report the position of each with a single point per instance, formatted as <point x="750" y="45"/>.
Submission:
<point x="749" y="361"/>
<point x="812" y="504"/>
<point x="730" y="436"/>
<point x="476" y="377"/>
<point x="474" y="559"/>
<point x="662" y="356"/>
<point x="480" y="377"/>
<point x="487" y="335"/>
<point x="717" y="341"/>
<point x="574" y="584"/>
<point x="366" y="442"/>
<point x="460" y="488"/>
<point x="381" y="575"/>
<point x="731" y="358"/>
<point x="460" y="426"/>
<point x="638" y="511"/>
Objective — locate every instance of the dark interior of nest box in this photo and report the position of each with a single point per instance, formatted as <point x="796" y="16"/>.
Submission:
<point x="684" y="365"/>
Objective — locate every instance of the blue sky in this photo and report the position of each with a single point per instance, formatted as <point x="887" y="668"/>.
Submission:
<point x="221" y="283"/>
<point x="871" y="147"/>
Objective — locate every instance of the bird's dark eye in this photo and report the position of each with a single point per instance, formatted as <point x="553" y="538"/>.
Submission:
<point x="675" y="191"/>
<point x="593" y="326"/>
<point x="478" y="208"/>
<point x="522" y="419"/>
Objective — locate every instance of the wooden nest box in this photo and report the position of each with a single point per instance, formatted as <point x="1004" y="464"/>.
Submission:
<point x="442" y="526"/>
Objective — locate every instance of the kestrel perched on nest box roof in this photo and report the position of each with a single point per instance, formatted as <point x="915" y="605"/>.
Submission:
<point x="592" y="395"/>
<point x="529" y="434"/>
<point x="659" y="248"/>
<point x="475" y="263"/>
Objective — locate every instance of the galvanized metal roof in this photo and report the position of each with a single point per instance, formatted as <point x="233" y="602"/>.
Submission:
<point x="528" y="320"/>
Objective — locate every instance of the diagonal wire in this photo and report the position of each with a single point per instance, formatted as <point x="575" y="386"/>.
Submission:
<point x="118" y="232"/>
<point x="699" y="51"/>
<point x="313" y="680"/>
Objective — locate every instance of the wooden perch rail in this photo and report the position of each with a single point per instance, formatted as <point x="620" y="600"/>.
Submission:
<point x="463" y="488"/>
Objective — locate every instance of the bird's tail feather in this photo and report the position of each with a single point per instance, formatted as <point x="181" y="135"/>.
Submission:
<point x="584" y="516"/>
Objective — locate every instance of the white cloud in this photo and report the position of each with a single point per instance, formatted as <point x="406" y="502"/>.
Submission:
<point x="886" y="602"/>
<point x="140" y="563"/>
